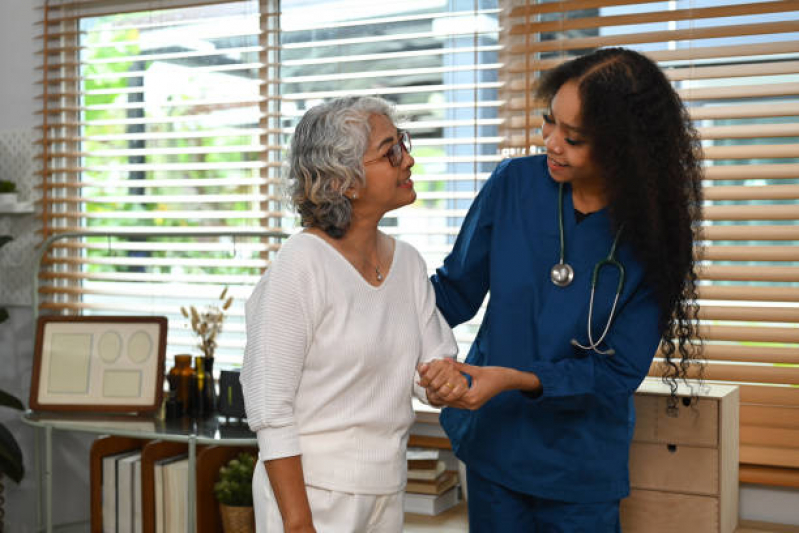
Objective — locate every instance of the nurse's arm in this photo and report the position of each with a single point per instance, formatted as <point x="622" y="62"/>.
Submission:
<point x="288" y="485"/>
<point x="488" y="381"/>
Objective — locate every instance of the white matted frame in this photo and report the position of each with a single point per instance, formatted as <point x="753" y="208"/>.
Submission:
<point x="99" y="363"/>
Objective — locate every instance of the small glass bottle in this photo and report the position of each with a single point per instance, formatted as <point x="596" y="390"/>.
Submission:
<point x="181" y="377"/>
<point x="198" y="390"/>
<point x="209" y="395"/>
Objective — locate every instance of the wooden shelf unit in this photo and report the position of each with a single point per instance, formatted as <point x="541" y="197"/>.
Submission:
<point x="684" y="463"/>
<point x="209" y="460"/>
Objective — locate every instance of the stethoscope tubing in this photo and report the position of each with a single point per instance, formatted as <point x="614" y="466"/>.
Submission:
<point x="562" y="275"/>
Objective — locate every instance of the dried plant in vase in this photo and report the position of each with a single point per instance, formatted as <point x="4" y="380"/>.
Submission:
<point x="207" y="324"/>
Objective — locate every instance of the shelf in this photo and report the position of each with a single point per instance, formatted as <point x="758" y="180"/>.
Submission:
<point x="18" y="208"/>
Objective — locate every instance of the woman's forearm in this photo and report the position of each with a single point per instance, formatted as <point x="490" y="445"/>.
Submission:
<point x="288" y="486"/>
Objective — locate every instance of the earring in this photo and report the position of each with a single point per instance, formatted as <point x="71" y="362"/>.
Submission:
<point x="355" y="195"/>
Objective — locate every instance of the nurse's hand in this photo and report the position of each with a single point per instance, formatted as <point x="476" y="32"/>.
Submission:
<point x="488" y="381"/>
<point x="443" y="382"/>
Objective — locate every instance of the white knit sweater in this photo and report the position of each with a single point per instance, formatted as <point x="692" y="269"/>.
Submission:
<point x="330" y="363"/>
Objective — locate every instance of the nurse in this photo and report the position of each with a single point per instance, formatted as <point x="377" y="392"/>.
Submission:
<point x="588" y="255"/>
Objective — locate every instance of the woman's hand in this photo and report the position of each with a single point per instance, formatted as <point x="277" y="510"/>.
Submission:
<point x="487" y="382"/>
<point x="443" y="382"/>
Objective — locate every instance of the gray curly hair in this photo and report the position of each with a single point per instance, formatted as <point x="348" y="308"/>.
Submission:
<point x="326" y="159"/>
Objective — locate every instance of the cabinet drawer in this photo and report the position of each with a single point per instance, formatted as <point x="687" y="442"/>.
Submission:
<point x="650" y="511"/>
<point x="695" y="424"/>
<point x="674" y="468"/>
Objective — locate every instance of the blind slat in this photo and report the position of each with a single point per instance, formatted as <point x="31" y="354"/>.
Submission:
<point x="767" y="28"/>
<point x="750" y="314"/>
<point x="748" y="293"/>
<point x="752" y="354"/>
<point x="749" y="253"/>
<point x="649" y="17"/>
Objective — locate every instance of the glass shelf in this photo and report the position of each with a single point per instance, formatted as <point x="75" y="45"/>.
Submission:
<point x="18" y="208"/>
<point x="211" y="430"/>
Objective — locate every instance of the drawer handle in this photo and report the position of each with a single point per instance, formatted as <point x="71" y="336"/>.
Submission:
<point x="671" y="447"/>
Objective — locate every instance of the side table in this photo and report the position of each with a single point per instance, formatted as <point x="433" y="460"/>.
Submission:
<point x="209" y="431"/>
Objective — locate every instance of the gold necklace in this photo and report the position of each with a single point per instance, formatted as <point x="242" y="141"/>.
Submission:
<point x="376" y="266"/>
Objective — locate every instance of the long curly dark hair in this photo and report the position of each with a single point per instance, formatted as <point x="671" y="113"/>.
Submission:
<point x="642" y="138"/>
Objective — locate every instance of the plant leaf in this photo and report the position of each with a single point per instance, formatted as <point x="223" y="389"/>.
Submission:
<point x="10" y="456"/>
<point x="7" y="400"/>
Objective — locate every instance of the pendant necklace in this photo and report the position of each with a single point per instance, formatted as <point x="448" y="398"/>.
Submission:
<point x="376" y="266"/>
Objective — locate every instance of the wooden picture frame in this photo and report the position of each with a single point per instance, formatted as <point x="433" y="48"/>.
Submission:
<point x="99" y="364"/>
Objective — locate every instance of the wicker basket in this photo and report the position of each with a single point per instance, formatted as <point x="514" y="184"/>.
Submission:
<point x="237" y="519"/>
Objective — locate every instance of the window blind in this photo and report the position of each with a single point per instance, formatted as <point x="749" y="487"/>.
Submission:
<point x="159" y="119"/>
<point x="735" y="66"/>
<point x="437" y="60"/>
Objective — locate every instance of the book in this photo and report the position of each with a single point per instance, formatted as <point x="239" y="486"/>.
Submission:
<point x="428" y="474"/>
<point x="176" y="489"/>
<point x="422" y="458"/>
<point x="422" y="464"/>
<point x="110" y="490"/>
<point x="160" y="495"/>
<point x="422" y="454"/>
<point x="126" y="491"/>
<point x="442" y="483"/>
<point x="431" y="504"/>
<point x="137" y="497"/>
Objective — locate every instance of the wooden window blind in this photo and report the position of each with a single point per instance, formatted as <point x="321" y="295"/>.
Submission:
<point x="736" y="65"/>
<point x="438" y="62"/>
<point x="158" y="118"/>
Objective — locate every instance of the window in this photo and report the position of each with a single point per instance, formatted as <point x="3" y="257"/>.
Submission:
<point x="160" y="123"/>
<point x="170" y="120"/>
<point x="438" y="62"/>
<point x="735" y="65"/>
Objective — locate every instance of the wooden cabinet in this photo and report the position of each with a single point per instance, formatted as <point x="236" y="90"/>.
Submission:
<point x="683" y="462"/>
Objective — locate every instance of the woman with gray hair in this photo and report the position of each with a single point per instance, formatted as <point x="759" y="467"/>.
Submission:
<point x="336" y="329"/>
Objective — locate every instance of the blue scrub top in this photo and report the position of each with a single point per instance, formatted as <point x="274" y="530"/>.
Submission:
<point x="572" y="442"/>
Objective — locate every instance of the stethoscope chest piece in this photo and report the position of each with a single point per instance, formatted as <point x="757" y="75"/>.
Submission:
<point x="562" y="274"/>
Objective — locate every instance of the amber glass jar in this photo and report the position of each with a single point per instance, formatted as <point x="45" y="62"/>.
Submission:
<point x="181" y="376"/>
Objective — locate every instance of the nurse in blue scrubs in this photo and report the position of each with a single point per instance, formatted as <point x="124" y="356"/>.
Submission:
<point x="587" y="253"/>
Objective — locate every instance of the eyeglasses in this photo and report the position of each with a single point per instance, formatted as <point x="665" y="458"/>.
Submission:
<point x="394" y="153"/>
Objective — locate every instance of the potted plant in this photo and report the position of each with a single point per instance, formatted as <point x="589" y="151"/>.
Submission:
<point x="8" y="192"/>
<point x="233" y="491"/>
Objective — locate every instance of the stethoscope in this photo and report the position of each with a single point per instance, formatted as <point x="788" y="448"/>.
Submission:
<point x="562" y="274"/>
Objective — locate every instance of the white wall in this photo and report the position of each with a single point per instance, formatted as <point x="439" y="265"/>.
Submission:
<point x="71" y="498"/>
<point x="17" y="106"/>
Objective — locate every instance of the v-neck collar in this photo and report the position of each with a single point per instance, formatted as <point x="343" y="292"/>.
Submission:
<point x="337" y="253"/>
<point x="568" y="207"/>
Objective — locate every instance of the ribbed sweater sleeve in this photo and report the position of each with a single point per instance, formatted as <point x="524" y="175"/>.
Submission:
<point x="280" y="321"/>
<point x="437" y="338"/>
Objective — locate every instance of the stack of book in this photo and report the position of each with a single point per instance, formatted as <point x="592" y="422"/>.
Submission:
<point x="171" y="488"/>
<point x="432" y="488"/>
<point x="122" y="493"/>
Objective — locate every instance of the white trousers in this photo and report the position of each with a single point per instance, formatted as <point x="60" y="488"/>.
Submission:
<point x="333" y="512"/>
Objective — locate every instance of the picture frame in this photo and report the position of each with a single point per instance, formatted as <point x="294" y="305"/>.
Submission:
<point x="107" y="364"/>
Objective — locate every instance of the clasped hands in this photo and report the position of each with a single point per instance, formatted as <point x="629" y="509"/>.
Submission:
<point x="446" y="383"/>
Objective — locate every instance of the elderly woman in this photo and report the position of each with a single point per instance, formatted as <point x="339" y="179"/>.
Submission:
<point x="336" y="329"/>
